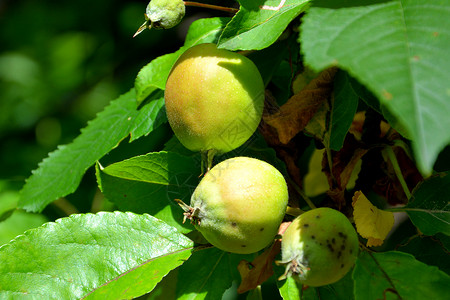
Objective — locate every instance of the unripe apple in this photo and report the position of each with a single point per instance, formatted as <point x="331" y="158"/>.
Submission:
<point x="239" y="205"/>
<point x="162" y="14"/>
<point x="214" y="99"/>
<point x="319" y="247"/>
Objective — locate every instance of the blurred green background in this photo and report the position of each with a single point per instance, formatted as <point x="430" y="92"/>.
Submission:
<point x="61" y="62"/>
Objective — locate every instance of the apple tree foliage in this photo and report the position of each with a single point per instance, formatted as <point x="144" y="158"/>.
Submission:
<point x="357" y="99"/>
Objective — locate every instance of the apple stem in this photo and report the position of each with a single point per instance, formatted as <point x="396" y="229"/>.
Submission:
<point x="211" y="6"/>
<point x="294" y="211"/>
<point x="398" y="172"/>
<point x="207" y="160"/>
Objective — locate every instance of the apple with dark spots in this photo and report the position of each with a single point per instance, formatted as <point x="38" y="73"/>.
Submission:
<point x="319" y="247"/>
<point x="239" y="205"/>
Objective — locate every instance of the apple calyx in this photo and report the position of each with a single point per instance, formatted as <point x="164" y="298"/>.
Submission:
<point x="190" y="213"/>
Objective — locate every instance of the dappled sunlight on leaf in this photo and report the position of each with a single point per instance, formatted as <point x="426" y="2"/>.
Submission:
<point x="371" y="223"/>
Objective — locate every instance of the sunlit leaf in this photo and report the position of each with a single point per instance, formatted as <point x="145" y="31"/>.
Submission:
<point x="102" y="256"/>
<point x="60" y="173"/>
<point x="371" y="223"/>
<point x="398" y="49"/>
<point x="150" y="184"/>
<point x="258" y="24"/>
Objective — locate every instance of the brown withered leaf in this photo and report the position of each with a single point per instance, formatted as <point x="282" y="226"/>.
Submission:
<point x="300" y="108"/>
<point x="261" y="268"/>
<point x="343" y="164"/>
<point x="289" y="152"/>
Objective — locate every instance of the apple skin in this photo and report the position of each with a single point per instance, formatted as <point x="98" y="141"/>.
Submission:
<point x="239" y="204"/>
<point x="214" y="99"/>
<point x="319" y="247"/>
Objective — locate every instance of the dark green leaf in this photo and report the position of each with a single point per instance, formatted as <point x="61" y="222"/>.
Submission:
<point x="366" y="95"/>
<point x="60" y="173"/>
<point x="151" y="183"/>
<point x="430" y="250"/>
<point x="257" y="26"/>
<point x="397" y="275"/>
<point x="344" y="105"/>
<point x="429" y="208"/>
<point x="277" y="53"/>
<point x="213" y="271"/>
<point x="398" y="49"/>
<point x="107" y="256"/>
<point x="205" y="31"/>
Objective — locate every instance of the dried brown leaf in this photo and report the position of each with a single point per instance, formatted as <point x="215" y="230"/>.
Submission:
<point x="344" y="162"/>
<point x="295" y="114"/>
<point x="259" y="270"/>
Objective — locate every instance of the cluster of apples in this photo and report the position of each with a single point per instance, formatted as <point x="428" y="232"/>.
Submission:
<point x="211" y="94"/>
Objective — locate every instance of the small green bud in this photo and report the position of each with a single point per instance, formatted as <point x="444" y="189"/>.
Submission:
<point x="162" y="14"/>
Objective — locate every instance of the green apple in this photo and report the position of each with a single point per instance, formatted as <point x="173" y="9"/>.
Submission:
<point x="162" y="14"/>
<point x="319" y="247"/>
<point x="239" y="205"/>
<point x="214" y="99"/>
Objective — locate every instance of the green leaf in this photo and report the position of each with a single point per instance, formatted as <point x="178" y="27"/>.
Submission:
<point x="429" y="208"/>
<point x="60" y="173"/>
<point x="213" y="269"/>
<point x="205" y="30"/>
<point x="344" y="105"/>
<point x="155" y="167"/>
<point x="398" y="49"/>
<point x="154" y="75"/>
<point x="17" y="223"/>
<point x="397" y="275"/>
<point x="367" y="96"/>
<point x="153" y="110"/>
<point x="341" y="290"/>
<point x="150" y="184"/>
<point x="290" y="289"/>
<point x="256" y="26"/>
<point x="430" y="250"/>
<point x="107" y="256"/>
